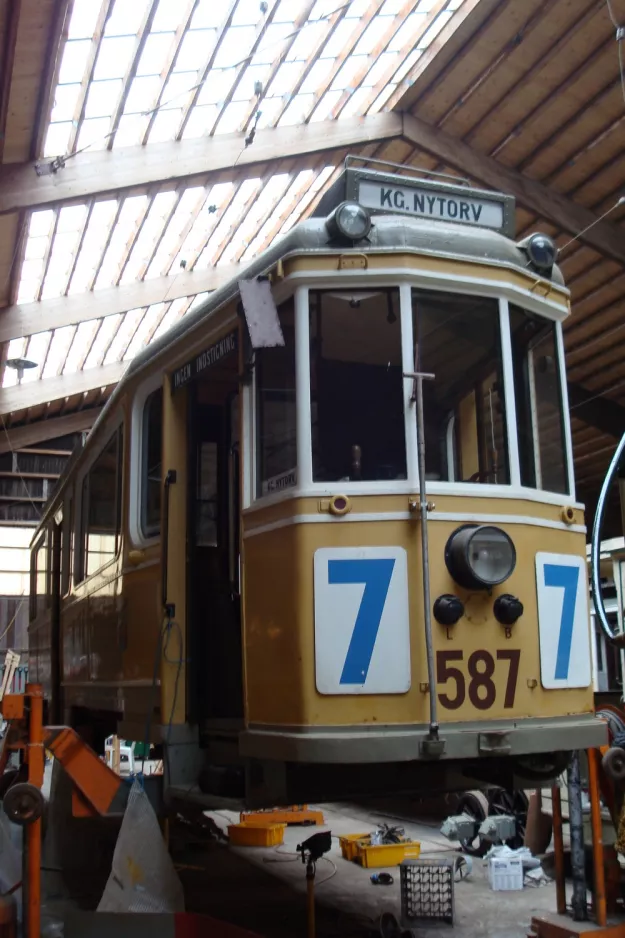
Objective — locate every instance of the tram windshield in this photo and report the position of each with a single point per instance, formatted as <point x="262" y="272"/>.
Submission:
<point x="356" y="386"/>
<point x="457" y="338"/>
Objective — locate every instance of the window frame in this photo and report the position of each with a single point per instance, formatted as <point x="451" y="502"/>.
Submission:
<point x="139" y="536"/>
<point x="503" y="293"/>
<point x="79" y="572"/>
<point x="149" y="532"/>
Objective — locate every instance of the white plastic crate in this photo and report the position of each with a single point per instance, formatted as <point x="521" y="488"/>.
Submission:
<point x="505" y="873"/>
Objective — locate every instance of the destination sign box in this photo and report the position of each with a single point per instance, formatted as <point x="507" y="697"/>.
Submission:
<point x="426" y="203"/>
<point x="205" y="360"/>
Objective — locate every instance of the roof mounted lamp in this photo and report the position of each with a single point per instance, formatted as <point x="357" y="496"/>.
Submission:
<point x="20" y="365"/>
<point x="349" y="221"/>
<point x="541" y="251"/>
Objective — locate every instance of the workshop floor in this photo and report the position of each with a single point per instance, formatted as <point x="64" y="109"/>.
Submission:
<point x="264" y="889"/>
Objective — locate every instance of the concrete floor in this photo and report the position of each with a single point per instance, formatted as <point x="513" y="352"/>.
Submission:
<point x="264" y="889"/>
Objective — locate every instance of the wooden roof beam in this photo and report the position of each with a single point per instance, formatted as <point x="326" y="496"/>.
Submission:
<point x="41" y="430"/>
<point x="102" y="171"/>
<point x="21" y="397"/>
<point x="533" y="195"/>
<point x="30" y="318"/>
<point x="597" y="411"/>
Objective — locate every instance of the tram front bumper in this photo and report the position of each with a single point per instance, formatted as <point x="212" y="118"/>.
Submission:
<point x="463" y="741"/>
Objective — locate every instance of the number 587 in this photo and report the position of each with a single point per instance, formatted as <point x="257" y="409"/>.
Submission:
<point x="482" y="689"/>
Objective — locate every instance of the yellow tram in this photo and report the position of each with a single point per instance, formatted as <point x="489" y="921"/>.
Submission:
<point x="245" y="564"/>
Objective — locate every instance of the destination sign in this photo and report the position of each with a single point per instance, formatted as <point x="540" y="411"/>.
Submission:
<point x="205" y="360"/>
<point x="427" y="203"/>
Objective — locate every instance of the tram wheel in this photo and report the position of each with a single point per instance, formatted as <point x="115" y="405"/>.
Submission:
<point x="613" y="763"/>
<point x="475" y="804"/>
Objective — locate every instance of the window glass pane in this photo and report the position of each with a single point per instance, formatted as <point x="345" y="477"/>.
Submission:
<point x="275" y="410"/>
<point x="457" y="339"/>
<point x="39" y="579"/>
<point x="152" y="460"/>
<point x="356" y="386"/>
<point x="67" y="542"/>
<point x="102" y="508"/>
<point x="538" y="396"/>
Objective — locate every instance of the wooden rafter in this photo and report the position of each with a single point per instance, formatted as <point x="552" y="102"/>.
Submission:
<point x="100" y="171"/>
<point x="133" y="238"/>
<point x="29" y="318"/>
<point x="49" y="429"/>
<point x="6" y="73"/>
<point x="35" y="393"/>
<point x="105" y="247"/>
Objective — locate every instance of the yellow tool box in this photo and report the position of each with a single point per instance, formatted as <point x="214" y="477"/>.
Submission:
<point x="293" y="814"/>
<point x="253" y="835"/>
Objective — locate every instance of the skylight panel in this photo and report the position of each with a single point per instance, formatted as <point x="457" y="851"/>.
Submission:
<point x="168" y="320"/>
<point x="382" y="98"/>
<point x="71" y="218"/>
<point x="102" y="97"/>
<point x="154" y="54"/>
<point x="269" y="48"/>
<point x="93" y="133"/>
<point x="168" y="15"/>
<point x="353" y="107"/>
<point x="176" y="90"/>
<point x="371" y="36"/>
<point x="316" y="76"/>
<point x="248" y="12"/>
<point x="29" y="280"/>
<point x="145" y="328"/>
<point x="297" y="110"/>
<point x="391" y="7"/>
<point x="36" y="351"/>
<point x="323" y="110"/>
<point x="126" y="18"/>
<point x="216" y="86"/>
<point x="92" y="339"/>
<point x="151" y="231"/>
<point x="435" y="29"/>
<point x="208" y="14"/>
<point x="307" y="39"/>
<point x="251" y="74"/>
<point x="200" y="119"/>
<point x="65" y="98"/>
<point x="269" y="110"/>
<point x="59" y="347"/>
<point x="84" y="18"/>
<point x="378" y="69"/>
<point x="235" y="46"/>
<point x="41" y="223"/>
<point x="142" y="95"/>
<point x="408" y="29"/>
<point x="114" y="57"/>
<point x="35" y="248"/>
<point x="124" y="230"/>
<point x="123" y="335"/>
<point x="57" y="139"/>
<point x="195" y="301"/>
<point x="17" y="348"/>
<point x="339" y="40"/>
<point x="409" y="62"/>
<point x="74" y="61"/>
<point x="130" y="130"/>
<point x="165" y="126"/>
<point x="285" y="79"/>
<point x="194" y="48"/>
<point x="346" y="75"/>
<point x="232" y="117"/>
<point x="324" y="8"/>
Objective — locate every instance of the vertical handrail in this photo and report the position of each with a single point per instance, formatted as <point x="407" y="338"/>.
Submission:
<point x="170" y="479"/>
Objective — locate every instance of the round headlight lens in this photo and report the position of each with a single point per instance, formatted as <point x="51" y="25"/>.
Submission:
<point x="480" y="556"/>
<point x="350" y="220"/>
<point x="541" y="251"/>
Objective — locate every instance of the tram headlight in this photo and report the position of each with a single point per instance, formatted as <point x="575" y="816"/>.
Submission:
<point x="350" y="221"/>
<point x="480" y="556"/>
<point x="541" y="251"/>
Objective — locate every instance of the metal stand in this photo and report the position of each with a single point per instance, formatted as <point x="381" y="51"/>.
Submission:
<point x="577" y="925"/>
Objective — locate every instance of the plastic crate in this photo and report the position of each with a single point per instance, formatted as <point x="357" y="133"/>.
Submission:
<point x="252" y="835"/>
<point x="427" y="892"/>
<point x="349" y="844"/>
<point x="378" y="855"/>
<point x="505" y="873"/>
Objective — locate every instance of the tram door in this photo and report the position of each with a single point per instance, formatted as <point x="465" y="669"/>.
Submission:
<point x="214" y="609"/>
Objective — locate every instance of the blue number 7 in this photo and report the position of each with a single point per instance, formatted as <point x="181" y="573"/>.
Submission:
<point x="376" y="575"/>
<point x="566" y="577"/>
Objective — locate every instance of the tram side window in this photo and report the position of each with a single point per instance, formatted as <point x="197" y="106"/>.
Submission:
<point x="67" y="542"/>
<point x="39" y="566"/>
<point x="101" y="508"/>
<point x="457" y="339"/>
<point x="538" y="397"/>
<point x="152" y="463"/>
<point x="356" y="386"/>
<point x="276" y="411"/>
